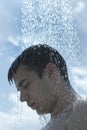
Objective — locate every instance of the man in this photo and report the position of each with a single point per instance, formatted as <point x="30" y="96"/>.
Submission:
<point x="40" y="74"/>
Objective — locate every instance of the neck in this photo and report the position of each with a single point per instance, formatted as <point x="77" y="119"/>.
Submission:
<point x="66" y="99"/>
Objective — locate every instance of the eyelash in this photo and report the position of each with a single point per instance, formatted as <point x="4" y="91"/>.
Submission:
<point x="23" y="87"/>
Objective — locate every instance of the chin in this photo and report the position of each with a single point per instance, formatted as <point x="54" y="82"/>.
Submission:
<point x="40" y="112"/>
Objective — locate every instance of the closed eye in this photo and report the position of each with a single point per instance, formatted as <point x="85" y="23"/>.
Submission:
<point x="24" y="86"/>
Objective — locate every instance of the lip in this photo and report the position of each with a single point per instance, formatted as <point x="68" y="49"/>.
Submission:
<point x="33" y="106"/>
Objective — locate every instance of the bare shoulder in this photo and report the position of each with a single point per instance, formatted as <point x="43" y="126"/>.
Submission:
<point x="75" y="121"/>
<point x="78" y="118"/>
<point x="82" y="107"/>
<point x="55" y="124"/>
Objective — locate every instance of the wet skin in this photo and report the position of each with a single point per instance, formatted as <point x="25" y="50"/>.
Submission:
<point x="34" y="91"/>
<point x="50" y="94"/>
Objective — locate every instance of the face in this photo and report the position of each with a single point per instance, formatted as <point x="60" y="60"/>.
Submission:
<point x="37" y="93"/>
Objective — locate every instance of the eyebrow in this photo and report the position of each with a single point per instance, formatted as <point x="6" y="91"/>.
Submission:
<point x="21" y="82"/>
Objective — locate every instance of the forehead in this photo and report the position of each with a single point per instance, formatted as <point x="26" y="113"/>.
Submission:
<point x="22" y="70"/>
<point x="23" y="73"/>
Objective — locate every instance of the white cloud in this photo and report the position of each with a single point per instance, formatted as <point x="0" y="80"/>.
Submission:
<point x="4" y="23"/>
<point x="80" y="80"/>
<point x="80" y="16"/>
<point x="3" y="95"/>
<point x="8" y="12"/>
<point x="14" y="41"/>
<point x="20" y="116"/>
<point x="5" y="121"/>
<point x="13" y="97"/>
<point x="80" y="7"/>
<point x="78" y="70"/>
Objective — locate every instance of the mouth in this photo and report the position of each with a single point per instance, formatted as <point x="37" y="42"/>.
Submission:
<point x="33" y="106"/>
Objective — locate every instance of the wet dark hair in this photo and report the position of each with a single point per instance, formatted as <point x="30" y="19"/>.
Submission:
<point x="36" y="57"/>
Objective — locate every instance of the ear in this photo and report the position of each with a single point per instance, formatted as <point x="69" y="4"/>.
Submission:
<point x="51" y="71"/>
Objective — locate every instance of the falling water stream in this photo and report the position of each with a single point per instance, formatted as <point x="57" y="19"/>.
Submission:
<point x="50" y="22"/>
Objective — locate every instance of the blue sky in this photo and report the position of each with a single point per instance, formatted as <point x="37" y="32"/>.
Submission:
<point x="14" y="115"/>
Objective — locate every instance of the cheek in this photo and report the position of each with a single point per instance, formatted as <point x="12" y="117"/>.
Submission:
<point x="41" y="92"/>
<point x="34" y="92"/>
<point x="47" y="90"/>
<point x="45" y="93"/>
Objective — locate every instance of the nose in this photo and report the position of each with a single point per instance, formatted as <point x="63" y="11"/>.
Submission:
<point x="23" y="96"/>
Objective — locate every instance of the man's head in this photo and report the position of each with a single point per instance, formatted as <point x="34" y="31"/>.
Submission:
<point x="37" y="72"/>
<point x="36" y="58"/>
